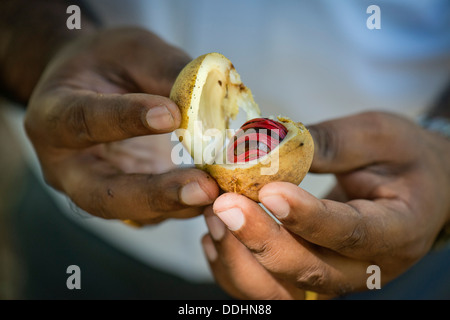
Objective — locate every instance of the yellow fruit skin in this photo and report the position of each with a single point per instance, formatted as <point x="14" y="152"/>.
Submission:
<point x="295" y="157"/>
<point x="183" y="88"/>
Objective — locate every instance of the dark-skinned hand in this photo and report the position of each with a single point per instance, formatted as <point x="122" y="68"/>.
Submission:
<point x="95" y="119"/>
<point x="390" y="202"/>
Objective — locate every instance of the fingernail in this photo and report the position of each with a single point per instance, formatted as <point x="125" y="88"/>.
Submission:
<point x="210" y="250"/>
<point x="233" y="218"/>
<point x="160" y="118"/>
<point x="277" y="205"/>
<point x="192" y="194"/>
<point x="216" y="227"/>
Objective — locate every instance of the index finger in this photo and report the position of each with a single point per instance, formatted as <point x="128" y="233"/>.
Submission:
<point x="80" y="118"/>
<point x="102" y="190"/>
<point x="349" y="143"/>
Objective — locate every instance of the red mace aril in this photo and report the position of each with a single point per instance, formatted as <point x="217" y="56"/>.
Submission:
<point x="256" y="138"/>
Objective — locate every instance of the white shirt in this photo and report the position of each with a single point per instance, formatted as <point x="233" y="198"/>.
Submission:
<point x="309" y="60"/>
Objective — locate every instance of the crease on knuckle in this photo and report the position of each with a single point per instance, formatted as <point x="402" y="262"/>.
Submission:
<point x="327" y="142"/>
<point x="122" y="111"/>
<point x="77" y="122"/>
<point x="312" y="278"/>
<point x="270" y="256"/>
<point x="355" y="238"/>
<point x="125" y="115"/>
<point x="153" y="205"/>
<point x="159" y="201"/>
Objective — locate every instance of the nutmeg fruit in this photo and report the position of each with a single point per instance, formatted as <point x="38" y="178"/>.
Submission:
<point x="210" y="94"/>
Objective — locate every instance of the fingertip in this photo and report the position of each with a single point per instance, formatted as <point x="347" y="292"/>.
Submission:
<point x="275" y="188"/>
<point x="277" y="205"/>
<point x="163" y="115"/>
<point x="287" y="190"/>
<point x="273" y="197"/>
<point x="209" y="185"/>
<point x="227" y="201"/>
<point x="193" y="195"/>
<point x="283" y="198"/>
<point x="199" y="192"/>
<point x="215" y="225"/>
<point x="159" y="118"/>
<point x="174" y="110"/>
<point x="209" y="248"/>
<point x="230" y="208"/>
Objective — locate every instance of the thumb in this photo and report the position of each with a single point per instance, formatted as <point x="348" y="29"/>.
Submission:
<point x="353" y="142"/>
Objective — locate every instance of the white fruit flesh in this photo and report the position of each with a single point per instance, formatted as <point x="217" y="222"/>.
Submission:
<point x="217" y="98"/>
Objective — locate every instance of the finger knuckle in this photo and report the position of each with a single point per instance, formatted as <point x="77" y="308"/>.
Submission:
<point x="122" y="111"/>
<point x="157" y="203"/>
<point x="311" y="278"/>
<point x="268" y="255"/>
<point x="76" y="121"/>
<point x="355" y="238"/>
<point x="327" y="141"/>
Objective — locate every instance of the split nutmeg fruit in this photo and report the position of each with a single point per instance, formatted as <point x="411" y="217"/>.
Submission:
<point x="209" y="93"/>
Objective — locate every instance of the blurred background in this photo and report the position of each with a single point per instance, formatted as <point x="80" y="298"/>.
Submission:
<point x="309" y="60"/>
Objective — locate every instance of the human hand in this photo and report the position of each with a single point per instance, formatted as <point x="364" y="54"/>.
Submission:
<point x="96" y="93"/>
<point x="393" y="182"/>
